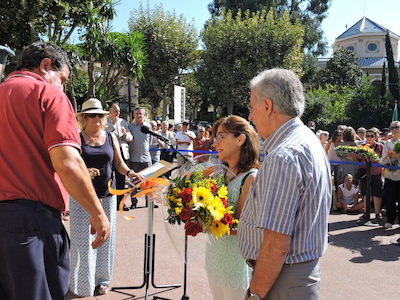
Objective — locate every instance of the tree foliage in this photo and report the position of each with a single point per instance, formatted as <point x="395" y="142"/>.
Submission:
<point x="383" y="81"/>
<point x="359" y="106"/>
<point x="171" y="45"/>
<point x="367" y="109"/>
<point x="310" y="13"/>
<point x="327" y="106"/>
<point x="25" y="21"/>
<point x="393" y="74"/>
<point x="237" y="48"/>
<point x="341" y="70"/>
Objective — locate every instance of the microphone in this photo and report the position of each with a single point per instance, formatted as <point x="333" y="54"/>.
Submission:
<point x="147" y="130"/>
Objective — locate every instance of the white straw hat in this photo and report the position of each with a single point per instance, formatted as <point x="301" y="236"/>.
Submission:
<point x="92" y="106"/>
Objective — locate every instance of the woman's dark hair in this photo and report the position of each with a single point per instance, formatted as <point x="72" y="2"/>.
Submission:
<point x="250" y="150"/>
<point x="335" y="135"/>
<point x="349" y="134"/>
<point x="33" y="55"/>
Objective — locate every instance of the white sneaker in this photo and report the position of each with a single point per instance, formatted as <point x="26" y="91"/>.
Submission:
<point x="388" y="225"/>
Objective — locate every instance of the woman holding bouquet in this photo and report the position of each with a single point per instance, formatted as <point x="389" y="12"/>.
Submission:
<point x="237" y="145"/>
<point x="391" y="156"/>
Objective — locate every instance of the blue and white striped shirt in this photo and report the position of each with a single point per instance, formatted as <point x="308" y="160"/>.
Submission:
<point x="291" y="194"/>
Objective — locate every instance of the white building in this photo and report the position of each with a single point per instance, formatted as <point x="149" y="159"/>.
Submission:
<point x="367" y="40"/>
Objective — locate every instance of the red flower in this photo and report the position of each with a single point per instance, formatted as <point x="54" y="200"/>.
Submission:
<point x="225" y="202"/>
<point x="227" y="219"/>
<point x="213" y="188"/>
<point x="192" y="228"/>
<point x="186" y="214"/>
<point x="186" y="195"/>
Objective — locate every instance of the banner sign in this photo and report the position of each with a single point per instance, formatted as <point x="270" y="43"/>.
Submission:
<point x="179" y="104"/>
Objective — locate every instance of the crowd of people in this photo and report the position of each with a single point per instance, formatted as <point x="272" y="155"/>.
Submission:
<point x="282" y="201"/>
<point x="350" y="197"/>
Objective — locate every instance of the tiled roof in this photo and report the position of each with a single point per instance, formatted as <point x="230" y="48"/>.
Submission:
<point x="365" y="25"/>
<point x="373" y="62"/>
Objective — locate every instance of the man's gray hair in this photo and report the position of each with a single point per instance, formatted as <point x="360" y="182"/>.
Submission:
<point x="283" y="88"/>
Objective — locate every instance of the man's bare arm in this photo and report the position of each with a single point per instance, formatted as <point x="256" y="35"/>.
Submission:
<point x="75" y="177"/>
<point x="270" y="260"/>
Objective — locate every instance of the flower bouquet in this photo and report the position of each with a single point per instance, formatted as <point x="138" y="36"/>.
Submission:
<point x="358" y="150"/>
<point x="198" y="196"/>
<point x="393" y="161"/>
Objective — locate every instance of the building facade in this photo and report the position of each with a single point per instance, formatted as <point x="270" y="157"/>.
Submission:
<point x="367" y="40"/>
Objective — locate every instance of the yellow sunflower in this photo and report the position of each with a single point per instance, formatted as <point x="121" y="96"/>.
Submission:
<point x="218" y="229"/>
<point x="202" y="196"/>
<point x="216" y="209"/>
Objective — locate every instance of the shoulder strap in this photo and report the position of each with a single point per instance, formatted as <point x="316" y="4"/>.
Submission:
<point x="244" y="180"/>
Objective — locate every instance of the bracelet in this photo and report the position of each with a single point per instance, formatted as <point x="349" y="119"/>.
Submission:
<point x="129" y="171"/>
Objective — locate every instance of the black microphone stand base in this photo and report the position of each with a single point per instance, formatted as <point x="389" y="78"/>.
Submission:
<point x="149" y="257"/>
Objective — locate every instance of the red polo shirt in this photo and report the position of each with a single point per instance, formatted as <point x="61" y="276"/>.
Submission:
<point x="35" y="117"/>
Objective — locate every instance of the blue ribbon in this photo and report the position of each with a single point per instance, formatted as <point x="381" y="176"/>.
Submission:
<point x="337" y="162"/>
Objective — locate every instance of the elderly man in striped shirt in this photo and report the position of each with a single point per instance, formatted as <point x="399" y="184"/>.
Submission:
<point x="284" y="223"/>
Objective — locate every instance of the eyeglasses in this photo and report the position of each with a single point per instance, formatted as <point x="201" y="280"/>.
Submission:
<point x="369" y="136"/>
<point x="220" y="136"/>
<point x="394" y="127"/>
<point x="94" y="115"/>
<point x="249" y="107"/>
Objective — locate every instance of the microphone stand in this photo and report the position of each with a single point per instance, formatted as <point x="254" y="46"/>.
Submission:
<point x="149" y="252"/>
<point x="184" y="296"/>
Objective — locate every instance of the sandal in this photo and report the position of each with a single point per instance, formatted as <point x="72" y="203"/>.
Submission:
<point x="102" y="289"/>
<point x="395" y="242"/>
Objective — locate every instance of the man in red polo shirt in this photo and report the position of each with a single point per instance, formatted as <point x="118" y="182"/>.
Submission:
<point x="40" y="155"/>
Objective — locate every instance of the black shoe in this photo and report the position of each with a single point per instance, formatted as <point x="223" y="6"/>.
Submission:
<point x="133" y="206"/>
<point x="125" y="208"/>
<point x="362" y="217"/>
<point x="155" y="206"/>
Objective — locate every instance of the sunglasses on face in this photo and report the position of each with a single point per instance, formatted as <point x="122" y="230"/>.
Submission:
<point x="394" y="127"/>
<point x="94" y="115"/>
<point x="370" y="136"/>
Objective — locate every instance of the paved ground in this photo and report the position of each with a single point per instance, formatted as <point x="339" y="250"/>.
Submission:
<point x="360" y="262"/>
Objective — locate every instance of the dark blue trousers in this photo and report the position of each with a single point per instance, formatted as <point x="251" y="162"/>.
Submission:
<point x="34" y="254"/>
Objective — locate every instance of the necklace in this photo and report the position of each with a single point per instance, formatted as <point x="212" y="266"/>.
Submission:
<point x="94" y="138"/>
<point x="230" y="179"/>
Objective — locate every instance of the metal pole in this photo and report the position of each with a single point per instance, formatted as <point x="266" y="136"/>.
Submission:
<point x="368" y="192"/>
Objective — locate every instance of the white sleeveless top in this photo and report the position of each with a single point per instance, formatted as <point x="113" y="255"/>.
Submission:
<point x="348" y="195"/>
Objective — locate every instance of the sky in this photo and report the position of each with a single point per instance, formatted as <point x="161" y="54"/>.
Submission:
<point x="341" y="13"/>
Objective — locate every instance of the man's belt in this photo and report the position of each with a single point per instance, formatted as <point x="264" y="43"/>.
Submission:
<point x="38" y="205"/>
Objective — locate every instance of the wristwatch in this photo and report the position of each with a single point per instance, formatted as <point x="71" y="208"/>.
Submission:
<point x="251" y="296"/>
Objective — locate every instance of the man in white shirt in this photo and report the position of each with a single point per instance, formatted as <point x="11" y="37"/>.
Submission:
<point x="119" y="127"/>
<point x="184" y="141"/>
